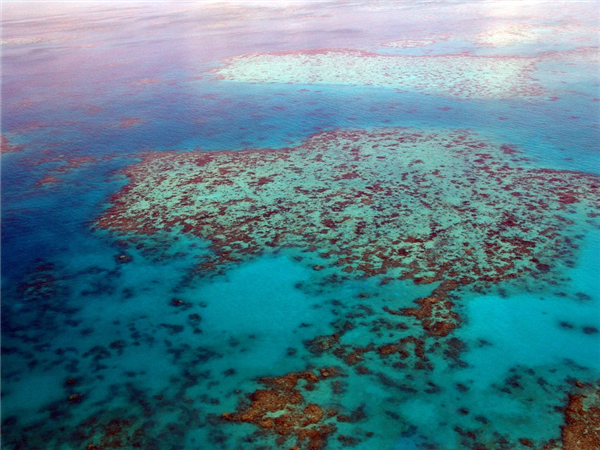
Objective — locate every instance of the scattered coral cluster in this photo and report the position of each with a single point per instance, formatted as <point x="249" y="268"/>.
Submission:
<point x="7" y="147"/>
<point x="283" y="409"/>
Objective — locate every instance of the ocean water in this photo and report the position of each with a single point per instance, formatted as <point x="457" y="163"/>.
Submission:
<point x="113" y="338"/>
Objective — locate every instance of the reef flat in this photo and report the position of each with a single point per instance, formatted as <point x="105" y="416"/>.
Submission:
<point x="461" y="76"/>
<point x="430" y="205"/>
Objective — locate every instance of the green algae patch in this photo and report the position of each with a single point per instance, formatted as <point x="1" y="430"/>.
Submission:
<point x="459" y="76"/>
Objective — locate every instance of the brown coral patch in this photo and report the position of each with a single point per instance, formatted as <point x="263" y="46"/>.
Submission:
<point x="282" y="409"/>
<point x="434" y="312"/>
<point x="116" y="433"/>
<point x="582" y="419"/>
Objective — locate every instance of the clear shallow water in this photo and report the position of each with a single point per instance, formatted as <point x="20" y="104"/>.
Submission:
<point x="149" y="340"/>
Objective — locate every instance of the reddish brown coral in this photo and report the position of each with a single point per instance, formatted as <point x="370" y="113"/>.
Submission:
<point x="116" y="433"/>
<point x="435" y="312"/>
<point x="582" y="417"/>
<point x="284" y="411"/>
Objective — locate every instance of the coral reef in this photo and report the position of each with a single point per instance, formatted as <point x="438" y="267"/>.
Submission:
<point x="283" y="410"/>
<point x="442" y="207"/>
<point x="582" y="419"/>
<point x="447" y="75"/>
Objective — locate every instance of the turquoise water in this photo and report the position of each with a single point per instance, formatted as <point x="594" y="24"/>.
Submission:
<point x="538" y="330"/>
<point x="98" y="324"/>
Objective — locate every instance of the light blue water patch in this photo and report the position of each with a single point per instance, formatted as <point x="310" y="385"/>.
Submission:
<point x="585" y="276"/>
<point x="260" y="300"/>
<point x="32" y="392"/>
<point x="526" y="330"/>
<point x="531" y="331"/>
<point x="153" y="284"/>
<point x="529" y="412"/>
<point x="406" y="444"/>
